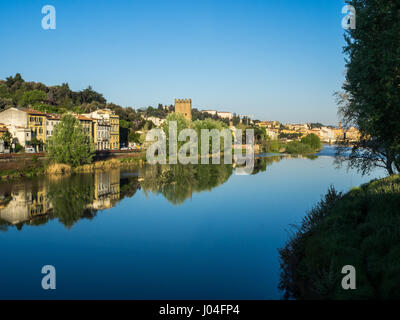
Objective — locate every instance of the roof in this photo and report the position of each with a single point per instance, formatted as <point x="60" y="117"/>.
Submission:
<point x="83" y="118"/>
<point x="53" y="116"/>
<point x="34" y="112"/>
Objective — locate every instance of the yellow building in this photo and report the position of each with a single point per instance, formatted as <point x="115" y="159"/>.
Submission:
<point x="114" y="130"/>
<point x="87" y="124"/>
<point x="37" y="124"/>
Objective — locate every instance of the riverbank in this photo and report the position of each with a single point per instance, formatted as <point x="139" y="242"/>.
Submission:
<point x="35" y="168"/>
<point x="359" y="228"/>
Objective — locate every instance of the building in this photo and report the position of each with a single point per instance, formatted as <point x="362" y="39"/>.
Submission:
<point x="297" y="127"/>
<point x="105" y="129"/>
<point x="269" y="124"/>
<point x="352" y="134"/>
<point x="37" y="124"/>
<point x="16" y="121"/>
<point x="27" y="124"/>
<point x="157" y="121"/>
<point x="87" y="124"/>
<point x="51" y="121"/>
<point x="327" y="135"/>
<point x="114" y="128"/>
<point x="274" y="135"/>
<point x="225" y="115"/>
<point x="184" y="107"/>
<point x="101" y="134"/>
<point x="210" y="112"/>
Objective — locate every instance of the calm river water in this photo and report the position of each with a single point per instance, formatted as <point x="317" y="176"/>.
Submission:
<point x="160" y="232"/>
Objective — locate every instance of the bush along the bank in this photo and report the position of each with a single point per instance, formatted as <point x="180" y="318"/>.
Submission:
<point x="308" y="145"/>
<point x="361" y="229"/>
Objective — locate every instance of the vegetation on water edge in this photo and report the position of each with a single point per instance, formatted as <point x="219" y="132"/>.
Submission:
<point x="58" y="168"/>
<point x="360" y="228"/>
<point x="308" y="145"/>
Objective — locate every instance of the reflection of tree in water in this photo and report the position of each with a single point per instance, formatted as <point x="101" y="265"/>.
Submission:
<point x="67" y="198"/>
<point x="178" y="182"/>
<point x="261" y="163"/>
<point x="70" y="197"/>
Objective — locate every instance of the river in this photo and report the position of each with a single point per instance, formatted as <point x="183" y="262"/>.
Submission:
<point x="160" y="232"/>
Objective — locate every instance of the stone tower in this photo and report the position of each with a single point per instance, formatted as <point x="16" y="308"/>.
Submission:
<point x="184" y="106"/>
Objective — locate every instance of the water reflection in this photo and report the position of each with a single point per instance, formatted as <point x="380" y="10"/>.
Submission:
<point x="82" y="196"/>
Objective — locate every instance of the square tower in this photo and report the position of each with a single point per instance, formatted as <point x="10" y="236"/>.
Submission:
<point x="184" y="106"/>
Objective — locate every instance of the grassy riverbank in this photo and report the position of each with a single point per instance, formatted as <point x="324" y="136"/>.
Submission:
<point x="41" y="168"/>
<point x="360" y="228"/>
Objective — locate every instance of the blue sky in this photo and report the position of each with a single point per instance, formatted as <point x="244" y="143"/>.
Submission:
<point x="276" y="60"/>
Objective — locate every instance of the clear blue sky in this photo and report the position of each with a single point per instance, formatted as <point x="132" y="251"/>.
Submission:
<point x="276" y="60"/>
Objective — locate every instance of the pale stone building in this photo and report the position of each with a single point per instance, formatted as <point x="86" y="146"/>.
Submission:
<point x="16" y="121"/>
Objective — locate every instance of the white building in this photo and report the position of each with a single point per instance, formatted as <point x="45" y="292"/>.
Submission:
<point x="211" y="112"/>
<point x="327" y="135"/>
<point x="16" y="121"/>
<point x="157" y="121"/>
<point x="51" y="121"/>
<point x="273" y="134"/>
<point x="225" y="115"/>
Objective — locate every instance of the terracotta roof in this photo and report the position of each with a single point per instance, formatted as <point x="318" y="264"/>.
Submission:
<point x="35" y="112"/>
<point x="81" y="117"/>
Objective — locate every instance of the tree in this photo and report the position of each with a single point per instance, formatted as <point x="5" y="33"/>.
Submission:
<point x="370" y="100"/>
<point x="7" y="138"/>
<point x="312" y="140"/>
<point x="134" y="137"/>
<point x="33" y="97"/>
<point x="182" y="124"/>
<point x="37" y="144"/>
<point x="69" y="144"/>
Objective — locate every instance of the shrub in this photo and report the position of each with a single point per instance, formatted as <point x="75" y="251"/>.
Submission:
<point x="57" y="168"/>
<point x="360" y="229"/>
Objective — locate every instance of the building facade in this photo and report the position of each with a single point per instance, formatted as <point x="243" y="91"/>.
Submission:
<point x="105" y="129"/>
<point x="16" y="121"/>
<point x="37" y="124"/>
<point x="51" y="121"/>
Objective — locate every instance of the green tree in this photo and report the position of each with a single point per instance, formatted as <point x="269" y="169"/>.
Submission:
<point x="209" y="124"/>
<point x="134" y="137"/>
<point x="69" y="144"/>
<point x="371" y="97"/>
<point x="7" y="138"/>
<point x="312" y="140"/>
<point x="37" y="144"/>
<point x="33" y="97"/>
<point x="182" y="124"/>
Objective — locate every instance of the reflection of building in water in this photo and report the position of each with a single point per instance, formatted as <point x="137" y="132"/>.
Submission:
<point x="24" y="204"/>
<point x="106" y="189"/>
